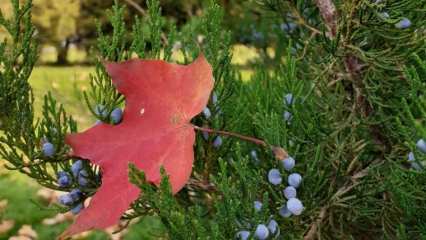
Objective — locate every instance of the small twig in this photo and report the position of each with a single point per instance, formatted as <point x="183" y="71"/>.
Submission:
<point x="203" y="185"/>
<point x="121" y="227"/>
<point x="225" y="133"/>
<point x="279" y="152"/>
<point x="301" y="20"/>
<point x="314" y="227"/>
<point x="306" y="43"/>
<point x="354" y="182"/>
<point x="136" y="6"/>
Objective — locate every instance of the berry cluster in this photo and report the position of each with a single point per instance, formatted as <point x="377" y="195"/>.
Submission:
<point x="102" y="113"/>
<point x="75" y="198"/>
<point x="421" y="146"/>
<point x="78" y="179"/>
<point x="293" y="206"/>
<point x="288" y="27"/>
<point x="262" y="231"/>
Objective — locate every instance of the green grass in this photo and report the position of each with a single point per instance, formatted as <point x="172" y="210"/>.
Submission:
<point x="67" y="85"/>
<point x="26" y="209"/>
<point x="20" y="206"/>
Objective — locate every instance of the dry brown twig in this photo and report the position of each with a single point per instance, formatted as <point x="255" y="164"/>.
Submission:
<point x="136" y="6"/>
<point x="329" y="14"/>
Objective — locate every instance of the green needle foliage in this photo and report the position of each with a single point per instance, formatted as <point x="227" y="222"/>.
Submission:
<point x="358" y="84"/>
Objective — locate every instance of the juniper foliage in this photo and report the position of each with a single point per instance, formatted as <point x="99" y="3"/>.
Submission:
<point x="357" y="79"/>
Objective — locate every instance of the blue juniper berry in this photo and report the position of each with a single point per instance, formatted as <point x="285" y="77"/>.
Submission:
<point x="207" y="113"/>
<point x="217" y="142"/>
<point x="261" y="232"/>
<point x="287" y="116"/>
<point x="116" y="115"/>
<point x="284" y="212"/>
<point x="295" y="206"/>
<point x="64" y="179"/>
<point x="48" y="149"/>
<point x="76" y="167"/>
<point x="257" y="206"/>
<point x="214" y="98"/>
<point x="421" y="145"/>
<point x="77" y="209"/>
<point x="294" y="180"/>
<point x="65" y="199"/>
<point x="290" y="192"/>
<point x="288" y="163"/>
<point x="274" y="176"/>
<point x="288" y="99"/>
<point x="243" y="235"/>
<point x="403" y="24"/>
<point x="273" y="227"/>
<point x="76" y="194"/>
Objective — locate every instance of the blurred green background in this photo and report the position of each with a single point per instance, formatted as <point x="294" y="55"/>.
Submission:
<point x="66" y="30"/>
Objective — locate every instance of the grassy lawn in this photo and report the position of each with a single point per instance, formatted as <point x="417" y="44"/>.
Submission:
<point x="67" y="85"/>
<point x="25" y="208"/>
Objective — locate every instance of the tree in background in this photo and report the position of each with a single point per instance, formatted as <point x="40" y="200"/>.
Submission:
<point x="60" y="23"/>
<point x="56" y="23"/>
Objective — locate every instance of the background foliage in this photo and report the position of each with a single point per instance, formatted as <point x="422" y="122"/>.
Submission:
<point x="357" y="78"/>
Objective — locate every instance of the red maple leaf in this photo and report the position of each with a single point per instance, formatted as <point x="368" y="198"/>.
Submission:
<point x="161" y="99"/>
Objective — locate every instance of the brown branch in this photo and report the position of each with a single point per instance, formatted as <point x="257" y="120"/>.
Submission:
<point x="279" y="152"/>
<point x="350" y="184"/>
<point x="313" y="230"/>
<point x="328" y="13"/>
<point x="136" y="6"/>
<point x="301" y="20"/>
<point x="353" y="68"/>
<point x="225" y="133"/>
<point x="314" y="227"/>
<point x="351" y="62"/>
<point x="202" y="184"/>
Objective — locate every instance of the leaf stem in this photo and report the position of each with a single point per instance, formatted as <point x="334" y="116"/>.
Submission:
<point x="225" y="133"/>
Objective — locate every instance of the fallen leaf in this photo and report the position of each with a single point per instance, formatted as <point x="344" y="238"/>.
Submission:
<point x="48" y="195"/>
<point x="27" y="231"/>
<point x="20" y="238"/>
<point x="280" y="153"/>
<point x="58" y="218"/>
<point x="6" y="226"/>
<point x="3" y="205"/>
<point x="161" y="99"/>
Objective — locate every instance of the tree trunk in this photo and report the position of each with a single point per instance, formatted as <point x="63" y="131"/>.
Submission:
<point x="63" y="52"/>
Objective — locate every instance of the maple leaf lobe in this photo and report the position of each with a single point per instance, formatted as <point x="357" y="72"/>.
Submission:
<point x="155" y="131"/>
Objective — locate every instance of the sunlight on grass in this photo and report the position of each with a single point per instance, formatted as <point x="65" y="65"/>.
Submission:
<point x="67" y="85"/>
<point x="75" y="55"/>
